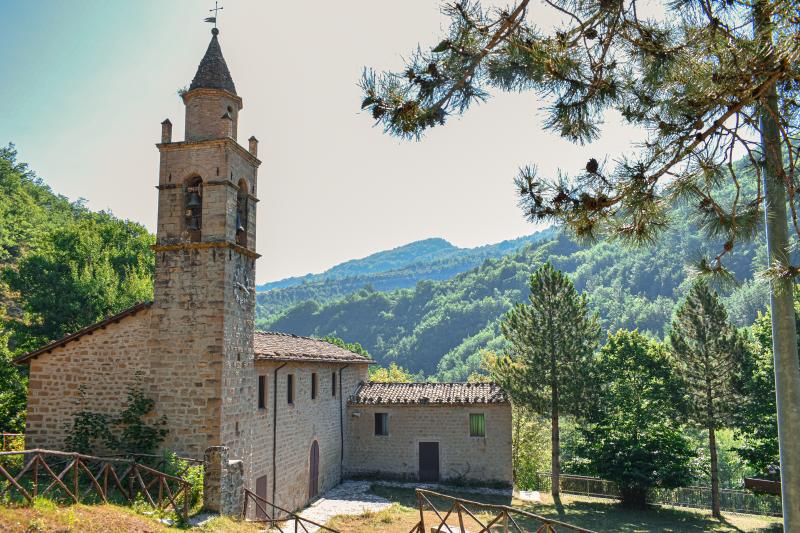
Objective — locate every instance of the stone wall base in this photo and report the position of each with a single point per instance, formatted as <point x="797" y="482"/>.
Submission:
<point x="223" y="483"/>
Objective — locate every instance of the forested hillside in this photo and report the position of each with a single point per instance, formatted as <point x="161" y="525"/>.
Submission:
<point x="399" y="268"/>
<point x="62" y="267"/>
<point x="439" y="327"/>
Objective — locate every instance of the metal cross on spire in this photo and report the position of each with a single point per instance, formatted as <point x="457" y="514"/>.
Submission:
<point x="216" y="11"/>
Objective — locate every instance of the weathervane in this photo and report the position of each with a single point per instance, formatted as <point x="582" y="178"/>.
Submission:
<point x="216" y="11"/>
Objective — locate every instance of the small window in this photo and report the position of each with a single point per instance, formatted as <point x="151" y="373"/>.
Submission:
<point x="262" y="392"/>
<point x="290" y="388"/>
<point x="333" y="384"/>
<point x="313" y="385"/>
<point x="382" y="424"/>
<point x="477" y="425"/>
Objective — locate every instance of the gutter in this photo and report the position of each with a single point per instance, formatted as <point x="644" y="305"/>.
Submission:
<point x="275" y="432"/>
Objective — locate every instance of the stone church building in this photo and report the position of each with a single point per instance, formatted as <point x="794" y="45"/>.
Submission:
<point x="296" y="414"/>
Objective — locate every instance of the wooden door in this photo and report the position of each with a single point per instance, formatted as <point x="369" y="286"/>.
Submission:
<point x="313" y="472"/>
<point x="261" y="492"/>
<point x="429" y="461"/>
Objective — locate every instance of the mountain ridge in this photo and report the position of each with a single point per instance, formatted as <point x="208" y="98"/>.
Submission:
<point x="431" y="249"/>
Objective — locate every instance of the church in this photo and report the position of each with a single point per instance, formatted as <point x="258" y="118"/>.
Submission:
<point x="296" y="414"/>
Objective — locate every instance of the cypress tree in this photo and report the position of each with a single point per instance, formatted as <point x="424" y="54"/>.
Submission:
<point x="708" y="353"/>
<point x="552" y="342"/>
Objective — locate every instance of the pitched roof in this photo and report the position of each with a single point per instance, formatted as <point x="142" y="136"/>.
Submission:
<point x="373" y="393"/>
<point x="272" y="346"/>
<point x="81" y="332"/>
<point x="213" y="73"/>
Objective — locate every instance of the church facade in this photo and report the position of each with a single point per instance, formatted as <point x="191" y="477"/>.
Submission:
<point x="297" y="412"/>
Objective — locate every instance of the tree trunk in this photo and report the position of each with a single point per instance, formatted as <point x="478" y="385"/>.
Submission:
<point x="712" y="448"/>
<point x="555" y="440"/>
<point x="784" y="335"/>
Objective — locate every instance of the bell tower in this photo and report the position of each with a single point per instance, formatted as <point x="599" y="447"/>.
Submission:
<point x="203" y="312"/>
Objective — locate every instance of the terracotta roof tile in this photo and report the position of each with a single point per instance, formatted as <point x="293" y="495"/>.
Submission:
<point x="272" y="346"/>
<point x="373" y="393"/>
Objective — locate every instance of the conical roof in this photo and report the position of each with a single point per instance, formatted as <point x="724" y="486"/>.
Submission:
<point x="213" y="73"/>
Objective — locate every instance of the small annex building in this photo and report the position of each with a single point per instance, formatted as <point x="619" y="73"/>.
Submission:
<point x="295" y="414"/>
<point x="430" y="432"/>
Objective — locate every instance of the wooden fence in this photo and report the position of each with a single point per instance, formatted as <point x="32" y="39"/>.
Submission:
<point x="75" y="478"/>
<point x="697" y="497"/>
<point x="497" y="518"/>
<point x="266" y="514"/>
<point x="12" y="441"/>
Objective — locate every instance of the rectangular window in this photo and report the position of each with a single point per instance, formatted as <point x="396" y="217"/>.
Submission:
<point x="290" y="388"/>
<point x="333" y="384"/>
<point x="477" y="425"/>
<point x="381" y="424"/>
<point x="313" y="385"/>
<point x="262" y="392"/>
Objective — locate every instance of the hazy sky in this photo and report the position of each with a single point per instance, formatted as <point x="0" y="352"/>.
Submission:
<point x="86" y="84"/>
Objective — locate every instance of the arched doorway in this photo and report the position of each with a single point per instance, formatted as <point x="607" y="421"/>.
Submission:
<point x="313" y="471"/>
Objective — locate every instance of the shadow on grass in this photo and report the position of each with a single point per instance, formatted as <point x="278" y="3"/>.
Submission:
<point x="597" y="514"/>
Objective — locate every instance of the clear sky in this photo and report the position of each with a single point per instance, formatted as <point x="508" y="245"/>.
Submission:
<point x="86" y="84"/>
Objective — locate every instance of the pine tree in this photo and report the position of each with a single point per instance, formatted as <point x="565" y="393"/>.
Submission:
<point x="552" y="342"/>
<point x="704" y="83"/>
<point x="708" y="353"/>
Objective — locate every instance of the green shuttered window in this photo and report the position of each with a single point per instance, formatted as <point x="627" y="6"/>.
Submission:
<point x="477" y="425"/>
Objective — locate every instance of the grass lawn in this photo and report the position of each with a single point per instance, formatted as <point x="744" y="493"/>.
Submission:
<point x="590" y="513"/>
<point x="45" y="516"/>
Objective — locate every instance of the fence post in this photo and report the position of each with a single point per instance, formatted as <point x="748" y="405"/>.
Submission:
<point x="421" y="513"/>
<point x="75" y="478"/>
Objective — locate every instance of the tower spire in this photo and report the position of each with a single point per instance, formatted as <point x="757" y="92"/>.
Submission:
<point x="213" y="73"/>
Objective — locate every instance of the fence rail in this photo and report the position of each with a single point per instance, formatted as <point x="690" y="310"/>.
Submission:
<point x="12" y="441"/>
<point x="731" y="500"/>
<point x="262" y="507"/>
<point x="501" y="518"/>
<point x="75" y="477"/>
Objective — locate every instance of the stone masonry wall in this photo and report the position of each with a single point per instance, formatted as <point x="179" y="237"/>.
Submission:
<point x="479" y="459"/>
<point x="104" y="362"/>
<point x="204" y="111"/>
<point x="298" y="426"/>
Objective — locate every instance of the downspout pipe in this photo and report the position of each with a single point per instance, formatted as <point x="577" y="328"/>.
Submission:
<point x="275" y="433"/>
<point x="341" y="423"/>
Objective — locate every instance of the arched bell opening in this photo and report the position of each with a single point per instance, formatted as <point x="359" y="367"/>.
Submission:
<point x="193" y="203"/>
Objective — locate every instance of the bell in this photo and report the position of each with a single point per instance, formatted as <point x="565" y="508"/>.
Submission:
<point x="194" y="201"/>
<point x="239" y="225"/>
<point x="191" y="224"/>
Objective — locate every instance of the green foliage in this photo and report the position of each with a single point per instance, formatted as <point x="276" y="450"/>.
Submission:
<point x="62" y="268"/>
<point x="530" y="436"/>
<point x="191" y="472"/>
<point x="399" y="268"/>
<point x="440" y="327"/>
<point x="709" y="354"/>
<point x="755" y="420"/>
<point x="352" y="346"/>
<point x="96" y="266"/>
<point x="392" y="374"/>
<point x="13" y="389"/>
<point x="633" y="436"/>
<point x="693" y="80"/>
<point x="551" y="347"/>
<point x="128" y="432"/>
